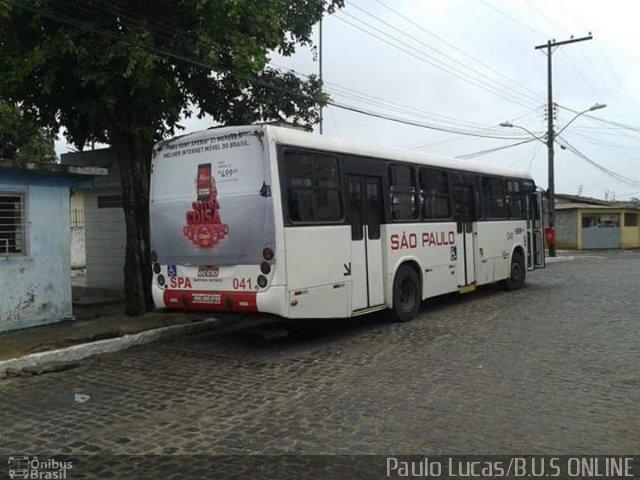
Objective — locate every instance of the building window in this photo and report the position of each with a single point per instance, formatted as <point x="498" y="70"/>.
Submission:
<point x="630" y="219"/>
<point x="434" y="189"/>
<point x="493" y="198"/>
<point x="110" y="201"/>
<point x="13" y="235"/>
<point x="402" y="188"/>
<point x="600" y="221"/>
<point x="313" y="187"/>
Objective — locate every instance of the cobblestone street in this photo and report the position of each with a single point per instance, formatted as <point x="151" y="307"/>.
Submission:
<point x="552" y="368"/>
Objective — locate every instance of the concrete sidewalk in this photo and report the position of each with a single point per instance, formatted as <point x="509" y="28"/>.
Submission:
<point x="19" y="343"/>
<point x="61" y="346"/>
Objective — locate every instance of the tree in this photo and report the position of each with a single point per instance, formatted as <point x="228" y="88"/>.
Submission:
<point x="21" y="139"/>
<point x="123" y="72"/>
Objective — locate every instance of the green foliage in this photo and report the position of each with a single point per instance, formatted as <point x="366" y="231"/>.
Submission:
<point x="123" y="72"/>
<point x="21" y="139"/>
<point x="99" y="67"/>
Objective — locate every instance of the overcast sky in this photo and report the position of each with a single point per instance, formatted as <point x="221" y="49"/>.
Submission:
<point x="490" y="44"/>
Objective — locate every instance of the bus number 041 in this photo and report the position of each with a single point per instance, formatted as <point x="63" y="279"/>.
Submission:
<point x="241" y="283"/>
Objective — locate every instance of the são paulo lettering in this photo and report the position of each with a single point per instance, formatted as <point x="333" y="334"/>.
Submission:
<point x="407" y="241"/>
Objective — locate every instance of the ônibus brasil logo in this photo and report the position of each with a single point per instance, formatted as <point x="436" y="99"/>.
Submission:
<point x="26" y="467"/>
<point x="204" y="227"/>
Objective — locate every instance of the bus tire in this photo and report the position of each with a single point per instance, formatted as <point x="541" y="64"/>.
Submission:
<point x="517" y="273"/>
<point x="407" y="294"/>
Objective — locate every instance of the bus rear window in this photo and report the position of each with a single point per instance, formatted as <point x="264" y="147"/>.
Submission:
<point x="313" y="187"/>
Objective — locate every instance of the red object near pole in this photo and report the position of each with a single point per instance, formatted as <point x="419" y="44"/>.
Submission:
<point x="550" y="236"/>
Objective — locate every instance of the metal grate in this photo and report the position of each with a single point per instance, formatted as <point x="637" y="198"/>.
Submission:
<point x="13" y="231"/>
<point x="110" y="201"/>
<point x="77" y="217"/>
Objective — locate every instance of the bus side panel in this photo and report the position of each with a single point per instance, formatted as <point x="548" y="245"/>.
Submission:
<point x="495" y="241"/>
<point x="434" y="248"/>
<point x="318" y="271"/>
<point x="280" y="274"/>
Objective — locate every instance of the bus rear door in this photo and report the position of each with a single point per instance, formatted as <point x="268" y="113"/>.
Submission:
<point x="365" y="215"/>
<point x="464" y="211"/>
<point x="535" y="232"/>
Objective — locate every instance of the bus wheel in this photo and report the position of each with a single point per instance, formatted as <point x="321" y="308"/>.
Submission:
<point x="407" y="295"/>
<point x="518" y="273"/>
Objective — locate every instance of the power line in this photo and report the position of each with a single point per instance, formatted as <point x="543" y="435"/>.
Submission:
<point x="572" y="16"/>
<point x="168" y="31"/>
<point x="602" y="120"/>
<point x="354" y="94"/>
<point x="501" y="84"/>
<point x="615" y="74"/>
<point x="75" y="23"/>
<point x="415" y="124"/>
<point x="492" y="150"/>
<point x="629" y="194"/>
<point x="610" y="173"/>
<point x="535" y="153"/>
<point x="594" y="141"/>
<point x="543" y="15"/>
<point x="581" y="73"/>
<point x="583" y="53"/>
<point x="513" y="19"/>
<point x="607" y="88"/>
<point x="386" y="104"/>
<point x="462" y="52"/>
<point x="422" y="58"/>
<point x="142" y="22"/>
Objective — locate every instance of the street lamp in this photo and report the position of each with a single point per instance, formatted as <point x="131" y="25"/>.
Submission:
<point x="511" y="125"/>
<point x="550" y="138"/>
<point x="596" y="106"/>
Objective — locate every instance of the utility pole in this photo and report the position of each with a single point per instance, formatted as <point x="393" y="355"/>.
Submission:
<point x="320" y="65"/>
<point x="550" y="132"/>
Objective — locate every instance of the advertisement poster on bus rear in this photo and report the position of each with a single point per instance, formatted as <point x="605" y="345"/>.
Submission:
<point x="210" y="199"/>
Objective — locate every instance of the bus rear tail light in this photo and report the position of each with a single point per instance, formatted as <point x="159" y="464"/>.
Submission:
<point x="267" y="254"/>
<point x="161" y="280"/>
<point x="265" y="268"/>
<point x="156" y="268"/>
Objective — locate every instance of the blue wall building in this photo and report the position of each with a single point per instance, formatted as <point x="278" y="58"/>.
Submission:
<point x="35" y="252"/>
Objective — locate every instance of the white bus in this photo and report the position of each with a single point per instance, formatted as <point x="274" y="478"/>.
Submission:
<point x="273" y="219"/>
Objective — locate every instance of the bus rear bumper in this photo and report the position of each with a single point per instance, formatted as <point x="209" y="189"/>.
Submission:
<point x="268" y="301"/>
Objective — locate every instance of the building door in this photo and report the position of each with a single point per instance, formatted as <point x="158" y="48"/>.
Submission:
<point x="365" y="216"/>
<point x="465" y="215"/>
<point x="601" y="230"/>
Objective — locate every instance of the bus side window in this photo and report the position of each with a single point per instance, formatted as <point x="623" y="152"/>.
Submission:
<point x="403" y="192"/>
<point x="327" y="204"/>
<point x="313" y="187"/>
<point x="299" y="181"/>
<point x="434" y="185"/>
<point x="493" y="198"/>
<point x="515" y="199"/>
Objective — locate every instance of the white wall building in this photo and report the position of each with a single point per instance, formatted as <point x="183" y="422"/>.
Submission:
<point x="104" y="223"/>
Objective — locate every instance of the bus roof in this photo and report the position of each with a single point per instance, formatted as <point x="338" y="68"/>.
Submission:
<point x="298" y="138"/>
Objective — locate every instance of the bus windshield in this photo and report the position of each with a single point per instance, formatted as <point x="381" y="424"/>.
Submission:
<point x="210" y="200"/>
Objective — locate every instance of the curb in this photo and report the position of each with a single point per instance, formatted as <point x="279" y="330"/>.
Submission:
<point x="559" y="259"/>
<point x="42" y="360"/>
